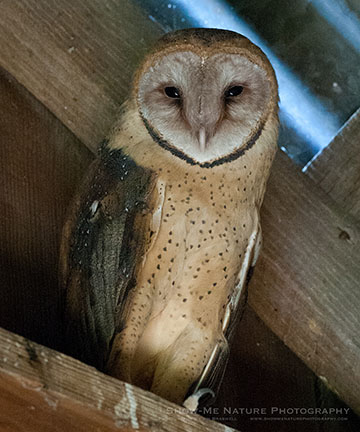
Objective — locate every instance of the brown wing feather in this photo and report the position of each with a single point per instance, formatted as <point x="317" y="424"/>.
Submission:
<point x="102" y="243"/>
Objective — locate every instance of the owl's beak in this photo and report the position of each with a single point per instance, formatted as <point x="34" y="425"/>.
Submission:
<point x="202" y="138"/>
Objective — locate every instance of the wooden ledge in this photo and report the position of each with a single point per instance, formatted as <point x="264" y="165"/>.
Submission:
<point x="43" y="390"/>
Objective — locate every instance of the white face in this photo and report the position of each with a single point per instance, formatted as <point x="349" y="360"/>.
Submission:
<point x="205" y="107"/>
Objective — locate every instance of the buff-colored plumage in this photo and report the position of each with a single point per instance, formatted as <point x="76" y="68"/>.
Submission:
<point x="159" y="245"/>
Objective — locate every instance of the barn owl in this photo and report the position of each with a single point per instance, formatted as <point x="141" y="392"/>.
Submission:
<point x="165" y="230"/>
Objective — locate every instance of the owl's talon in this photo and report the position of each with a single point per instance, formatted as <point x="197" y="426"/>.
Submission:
<point x="192" y="402"/>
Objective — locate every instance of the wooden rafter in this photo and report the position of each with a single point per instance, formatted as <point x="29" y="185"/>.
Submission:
<point x="54" y="392"/>
<point x="337" y="169"/>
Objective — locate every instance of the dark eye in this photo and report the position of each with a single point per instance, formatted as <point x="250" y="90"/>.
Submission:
<point x="233" y="91"/>
<point x="172" y="92"/>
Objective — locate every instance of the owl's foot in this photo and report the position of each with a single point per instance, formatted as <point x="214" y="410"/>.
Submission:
<point x="192" y="402"/>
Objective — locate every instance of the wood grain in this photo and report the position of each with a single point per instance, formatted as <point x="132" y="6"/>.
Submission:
<point x="306" y="285"/>
<point x="337" y="169"/>
<point x="44" y="391"/>
<point x="41" y="162"/>
<point x="77" y="58"/>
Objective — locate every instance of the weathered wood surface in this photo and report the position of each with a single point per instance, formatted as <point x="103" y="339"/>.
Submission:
<point x="43" y="390"/>
<point x="305" y="287"/>
<point x="41" y="162"/>
<point x="337" y="169"/>
<point x="77" y="58"/>
<point x="306" y="284"/>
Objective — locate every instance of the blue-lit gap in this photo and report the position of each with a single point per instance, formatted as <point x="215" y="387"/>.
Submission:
<point x="299" y="108"/>
<point x="341" y="18"/>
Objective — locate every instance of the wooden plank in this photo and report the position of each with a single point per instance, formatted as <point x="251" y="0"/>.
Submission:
<point x="306" y="285"/>
<point x="77" y="58"/>
<point x="41" y="162"/>
<point x="44" y="391"/>
<point x="337" y="169"/>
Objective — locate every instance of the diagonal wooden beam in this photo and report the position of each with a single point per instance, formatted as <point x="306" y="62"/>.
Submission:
<point x="307" y="284"/>
<point x="77" y="59"/>
<point x="337" y="169"/>
<point x="43" y="390"/>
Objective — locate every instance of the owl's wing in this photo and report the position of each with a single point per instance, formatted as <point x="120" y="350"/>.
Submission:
<point x="213" y="373"/>
<point x="103" y="241"/>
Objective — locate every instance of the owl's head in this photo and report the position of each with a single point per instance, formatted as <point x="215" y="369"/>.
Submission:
<point x="206" y="94"/>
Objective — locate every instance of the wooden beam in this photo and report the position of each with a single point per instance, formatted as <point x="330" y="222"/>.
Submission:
<point x="337" y="169"/>
<point x="306" y="284"/>
<point x="41" y="162"/>
<point x="45" y="391"/>
<point x="77" y="58"/>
